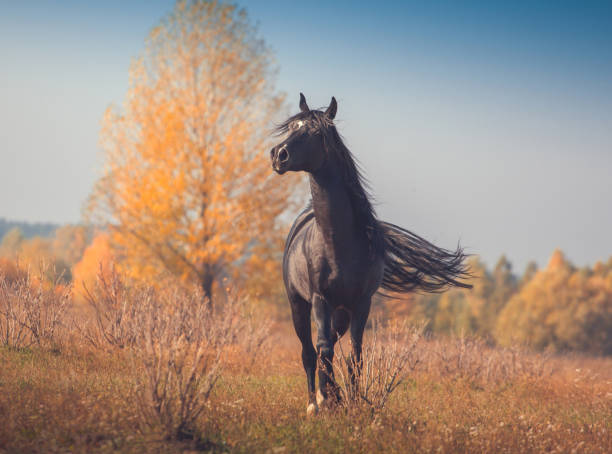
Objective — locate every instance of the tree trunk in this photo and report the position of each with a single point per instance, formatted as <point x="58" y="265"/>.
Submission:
<point x="206" y="283"/>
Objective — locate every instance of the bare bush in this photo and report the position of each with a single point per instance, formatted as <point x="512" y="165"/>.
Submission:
<point x="181" y="361"/>
<point x="393" y="353"/>
<point x="388" y="357"/>
<point x="179" y="342"/>
<point x="13" y="329"/>
<point x="116" y="311"/>
<point x="253" y="333"/>
<point x="184" y="345"/>
<point x="32" y="310"/>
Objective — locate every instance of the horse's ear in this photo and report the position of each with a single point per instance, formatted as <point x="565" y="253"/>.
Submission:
<point x="303" y="106"/>
<point x="332" y="109"/>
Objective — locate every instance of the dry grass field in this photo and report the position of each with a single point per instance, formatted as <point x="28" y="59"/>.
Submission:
<point x="158" y="373"/>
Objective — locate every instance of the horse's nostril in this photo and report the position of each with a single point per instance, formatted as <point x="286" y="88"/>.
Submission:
<point x="283" y="155"/>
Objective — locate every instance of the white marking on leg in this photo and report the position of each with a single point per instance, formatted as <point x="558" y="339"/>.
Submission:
<point x="312" y="409"/>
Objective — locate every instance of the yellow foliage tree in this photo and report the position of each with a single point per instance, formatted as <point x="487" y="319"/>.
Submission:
<point x="11" y="242"/>
<point x="97" y="258"/>
<point x="187" y="189"/>
<point x="461" y="311"/>
<point x="69" y="243"/>
<point x="563" y="308"/>
<point x="36" y="254"/>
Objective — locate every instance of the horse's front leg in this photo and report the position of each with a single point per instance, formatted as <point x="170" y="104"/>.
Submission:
<point x="300" y="311"/>
<point x="325" y="349"/>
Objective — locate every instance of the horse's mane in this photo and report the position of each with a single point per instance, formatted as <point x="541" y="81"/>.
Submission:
<point x="357" y="185"/>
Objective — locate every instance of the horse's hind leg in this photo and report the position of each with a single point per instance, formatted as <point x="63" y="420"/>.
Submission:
<point x="341" y="319"/>
<point x="300" y="311"/>
<point x="358" y="323"/>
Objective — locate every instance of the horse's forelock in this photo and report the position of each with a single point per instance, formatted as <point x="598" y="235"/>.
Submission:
<point x="315" y="120"/>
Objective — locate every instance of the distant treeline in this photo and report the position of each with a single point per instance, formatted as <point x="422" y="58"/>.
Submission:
<point x="560" y="307"/>
<point x="28" y="229"/>
<point x="59" y="248"/>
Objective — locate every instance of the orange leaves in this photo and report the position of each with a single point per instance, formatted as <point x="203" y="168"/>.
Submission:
<point x="562" y="308"/>
<point x="97" y="258"/>
<point x="187" y="185"/>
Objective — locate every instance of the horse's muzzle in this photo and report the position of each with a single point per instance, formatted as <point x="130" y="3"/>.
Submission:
<point x="280" y="159"/>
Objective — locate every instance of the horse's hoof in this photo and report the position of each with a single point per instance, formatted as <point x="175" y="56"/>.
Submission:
<point x="312" y="409"/>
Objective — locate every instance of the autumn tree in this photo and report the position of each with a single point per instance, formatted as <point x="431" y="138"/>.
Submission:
<point x="69" y="243"/>
<point x="530" y="271"/>
<point x="11" y="242"/>
<point x="187" y="189"/>
<point x="462" y="311"/>
<point x="97" y="261"/>
<point x="563" y="308"/>
<point x="503" y="286"/>
<point x="471" y="312"/>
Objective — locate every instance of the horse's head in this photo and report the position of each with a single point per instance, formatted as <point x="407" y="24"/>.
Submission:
<point x="303" y="147"/>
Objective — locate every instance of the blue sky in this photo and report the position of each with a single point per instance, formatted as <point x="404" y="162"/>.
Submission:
<point x="488" y="122"/>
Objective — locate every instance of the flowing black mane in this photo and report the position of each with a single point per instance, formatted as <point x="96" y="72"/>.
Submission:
<point x="316" y="122"/>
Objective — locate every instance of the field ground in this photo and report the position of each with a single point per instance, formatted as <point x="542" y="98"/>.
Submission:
<point x="81" y="399"/>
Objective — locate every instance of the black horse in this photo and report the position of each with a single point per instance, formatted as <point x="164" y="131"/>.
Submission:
<point x="337" y="254"/>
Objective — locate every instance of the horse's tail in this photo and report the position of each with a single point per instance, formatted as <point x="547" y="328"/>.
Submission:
<point x="413" y="263"/>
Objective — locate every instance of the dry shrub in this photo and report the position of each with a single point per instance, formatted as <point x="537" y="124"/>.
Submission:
<point x="179" y="342"/>
<point x="392" y="353"/>
<point x="32" y="309"/>
<point x="184" y="347"/>
<point x="252" y="334"/>
<point x="473" y="360"/>
<point x="181" y="354"/>
<point x="117" y="309"/>
<point x="389" y="355"/>
<point x="11" y="270"/>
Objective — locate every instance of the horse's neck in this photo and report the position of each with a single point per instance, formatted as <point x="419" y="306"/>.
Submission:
<point x="331" y="202"/>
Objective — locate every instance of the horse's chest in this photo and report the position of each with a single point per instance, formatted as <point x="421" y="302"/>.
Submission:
<point x="339" y="270"/>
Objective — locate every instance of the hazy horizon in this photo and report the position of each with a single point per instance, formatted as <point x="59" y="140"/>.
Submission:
<point x="489" y="124"/>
